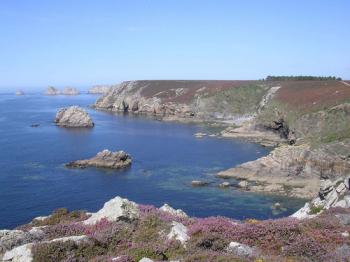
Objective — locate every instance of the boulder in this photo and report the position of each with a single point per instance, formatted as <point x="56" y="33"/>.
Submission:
<point x="240" y="250"/>
<point x="145" y="259"/>
<point x="19" y="254"/>
<point x="70" y="91"/>
<point x="73" y="116"/>
<point x="224" y="184"/>
<point x="104" y="159"/>
<point x="243" y="184"/>
<point x="199" y="183"/>
<point x="179" y="232"/>
<point x="114" y="210"/>
<point x="51" y="91"/>
<point x="172" y="211"/>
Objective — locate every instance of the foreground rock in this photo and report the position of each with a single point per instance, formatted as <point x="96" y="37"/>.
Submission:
<point x="179" y="232"/>
<point x="51" y="91"/>
<point x="240" y="250"/>
<point x="99" y="89"/>
<point x="104" y="159"/>
<point x="172" y="211"/>
<point x="331" y="194"/>
<point x="70" y="91"/>
<point x="115" y="209"/>
<point x="73" y="116"/>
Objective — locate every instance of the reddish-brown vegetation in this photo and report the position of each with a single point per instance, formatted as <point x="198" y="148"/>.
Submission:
<point x="310" y="95"/>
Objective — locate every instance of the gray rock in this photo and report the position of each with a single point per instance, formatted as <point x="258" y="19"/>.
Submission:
<point x="240" y="250"/>
<point x="70" y="91"/>
<point x="73" y="116"/>
<point x="51" y="91"/>
<point x="224" y="184"/>
<point x="115" y="209"/>
<point x="104" y="159"/>
<point x="175" y="212"/>
<point x="344" y="219"/>
<point x="13" y="238"/>
<point x="179" y="232"/>
<point x="145" y="259"/>
<point x="199" y="183"/>
<point x="19" y="254"/>
<point x="243" y="184"/>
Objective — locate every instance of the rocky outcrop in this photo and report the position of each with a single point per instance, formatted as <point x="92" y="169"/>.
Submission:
<point x="104" y="159"/>
<point x="70" y="91"/>
<point x="73" y="116"/>
<point x="115" y="209"/>
<point x="129" y="97"/>
<point x="240" y="250"/>
<point x="292" y="170"/>
<point x="172" y="211"/>
<point x="100" y="89"/>
<point x="51" y="91"/>
<point x="19" y="93"/>
<point x="178" y="232"/>
<point x="19" y="254"/>
<point x="331" y="194"/>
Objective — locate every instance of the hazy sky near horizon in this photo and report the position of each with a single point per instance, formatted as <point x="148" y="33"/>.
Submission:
<point x="83" y="42"/>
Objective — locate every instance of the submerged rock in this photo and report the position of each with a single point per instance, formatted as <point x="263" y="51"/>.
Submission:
<point x="199" y="183"/>
<point x="70" y="91"/>
<point x="104" y="159"/>
<point x="115" y="209"/>
<point x="73" y="116"/>
<point x="51" y="91"/>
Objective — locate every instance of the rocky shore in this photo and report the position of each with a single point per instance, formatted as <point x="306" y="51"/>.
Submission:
<point x="307" y="128"/>
<point x="104" y="159"/>
<point x="125" y="231"/>
<point x="70" y="91"/>
<point x="73" y="116"/>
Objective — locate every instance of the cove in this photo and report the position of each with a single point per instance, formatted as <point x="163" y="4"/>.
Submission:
<point x="166" y="158"/>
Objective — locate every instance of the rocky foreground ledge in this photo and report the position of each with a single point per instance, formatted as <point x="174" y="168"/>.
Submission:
<point x="125" y="231"/>
<point x="104" y="159"/>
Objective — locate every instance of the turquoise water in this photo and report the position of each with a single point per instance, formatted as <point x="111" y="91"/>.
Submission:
<point x="166" y="158"/>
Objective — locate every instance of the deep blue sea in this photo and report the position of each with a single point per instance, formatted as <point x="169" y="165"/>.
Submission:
<point x="166" y="158"/>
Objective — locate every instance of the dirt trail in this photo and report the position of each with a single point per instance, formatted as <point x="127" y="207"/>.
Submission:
<point x="345" y="83"/>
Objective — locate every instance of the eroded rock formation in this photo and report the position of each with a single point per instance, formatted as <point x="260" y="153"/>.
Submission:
<point x="73" y="116"/>
<point x="104" y="159"/>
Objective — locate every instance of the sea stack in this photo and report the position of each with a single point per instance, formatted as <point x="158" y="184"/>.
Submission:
<point x="19" y="93"/>
<point x="104" y="159"/>
<point x="70" y="91"/>
<point x="73" y="116"/>
<point x="51" y="91"/>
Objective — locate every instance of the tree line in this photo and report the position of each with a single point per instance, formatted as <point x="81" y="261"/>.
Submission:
<point x="301" y="78"/>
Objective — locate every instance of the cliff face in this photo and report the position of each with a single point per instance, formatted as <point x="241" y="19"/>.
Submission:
<point x="183" y="99"/>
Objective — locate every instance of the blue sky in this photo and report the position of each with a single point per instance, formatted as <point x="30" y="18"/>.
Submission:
<point x="82" y="42"/>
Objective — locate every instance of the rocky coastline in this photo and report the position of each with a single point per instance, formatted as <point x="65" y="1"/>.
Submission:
<point x="300" y="156"/>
